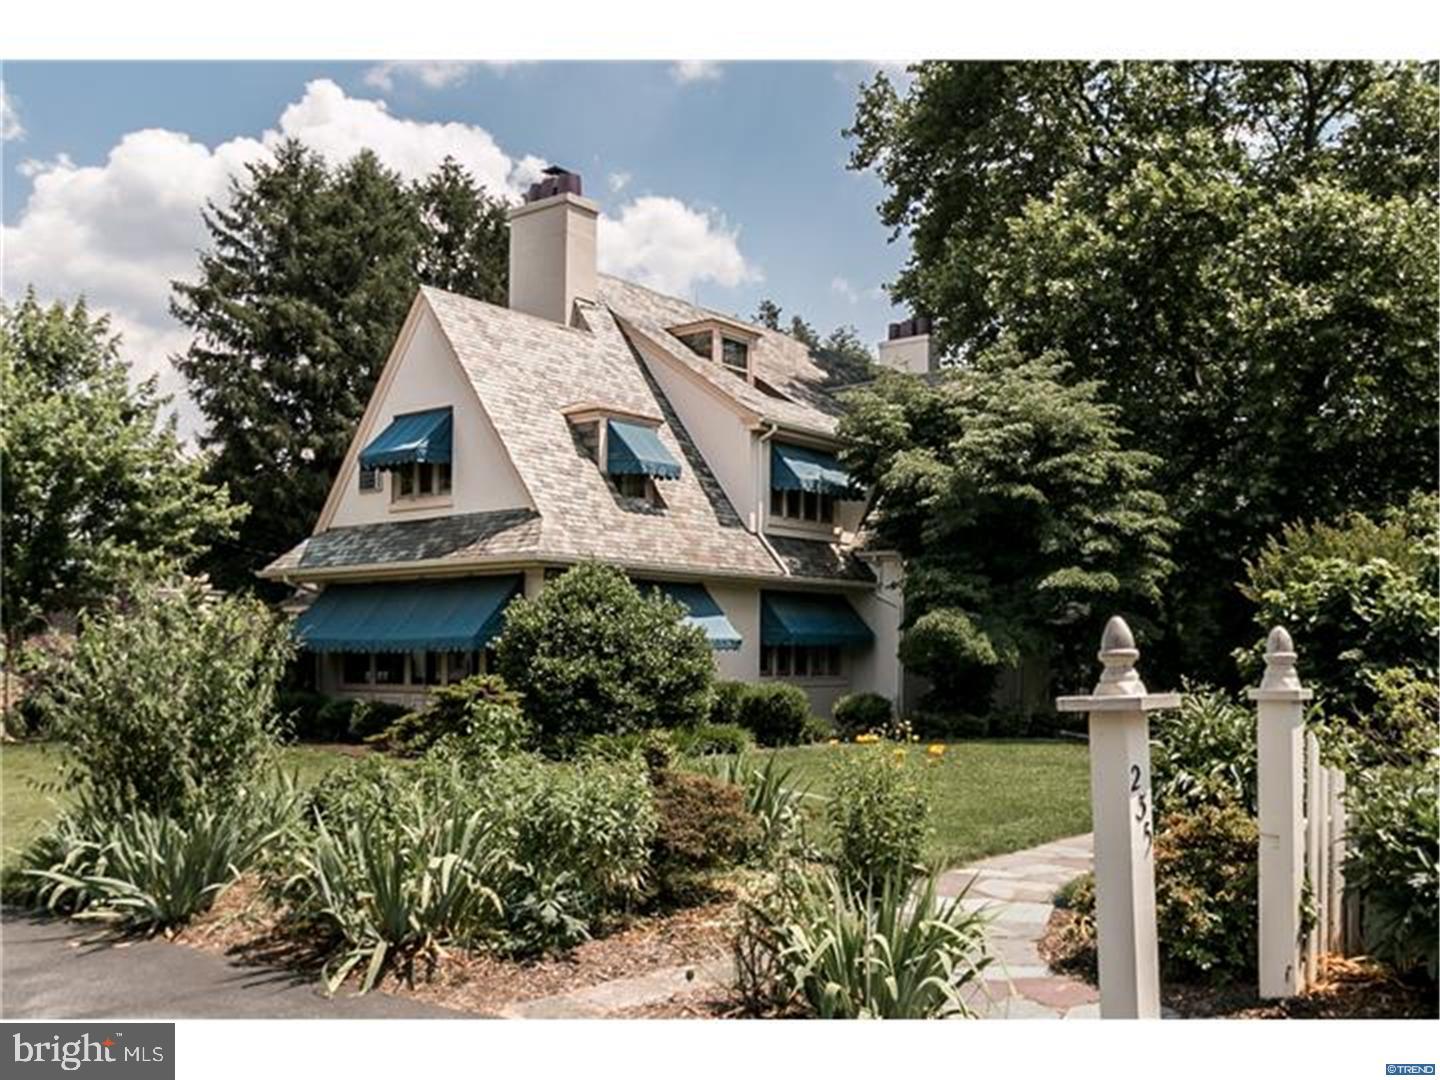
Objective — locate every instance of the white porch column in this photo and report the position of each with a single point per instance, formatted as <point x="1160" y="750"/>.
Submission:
<point x="1280" y="703"/>
<point x="1124" y="831"/>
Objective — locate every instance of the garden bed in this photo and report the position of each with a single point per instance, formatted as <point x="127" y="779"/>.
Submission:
<point x="1347" y="988"/>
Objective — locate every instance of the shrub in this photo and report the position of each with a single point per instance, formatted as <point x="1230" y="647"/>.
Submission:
<point x="889" y="953"/>
<point x="877" y="813"/>
<point x="1399" y="730"/>
<point x="300" y="711"/>
<point x="725" y="706"/>
<point x="150" y="872"/>
<point x="703" y="825"/>
<point x="1010" y="723"/>
<point x="1205" y="894"/>
<point x="1359" y="598"/>
<point x="708" y="739"/>
<point x="591" y="654"/>
<point x="1394" y="834"/>
<point x="479" y="708"/>
<point x="1203" y="754"/>
<point x="777" y="714"/>
<point x="168" y="699"/>
<point x="863" y="711"/>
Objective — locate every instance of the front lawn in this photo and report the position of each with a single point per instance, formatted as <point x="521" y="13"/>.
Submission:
<point x="30" y="771"/>
<point x="990" y="796"/>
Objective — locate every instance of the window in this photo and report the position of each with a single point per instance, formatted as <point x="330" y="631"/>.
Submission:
<point x="735" y="355"/>
<point x="587" y="437"/>
<point x="802" y="506"/>
<point x="355" y="669"/>
<point x="700" y="344"/>
<point x="633" y="486"/>
<point x="421" y="479"/>
<point x="389" y="669"/>
<point x="801" y="661"/>
<point x="369" y="479"/>
<point x="415" y="669"/>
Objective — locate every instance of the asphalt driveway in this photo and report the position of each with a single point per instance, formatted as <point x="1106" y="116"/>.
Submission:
<point x="58" y="970"/>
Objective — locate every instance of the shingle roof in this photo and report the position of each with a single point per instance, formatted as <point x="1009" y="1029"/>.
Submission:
<point x="778" y="359"/>
<point x="526" y="371"/>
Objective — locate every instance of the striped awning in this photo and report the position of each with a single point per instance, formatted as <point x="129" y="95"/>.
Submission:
<point x="802" y="468"/>
<point x="438" y="616"/>
<point x="412" y="437"/>
<point x="636" y="449"/>
<point x="704" y="612"/>
<point x="792" y="618"/>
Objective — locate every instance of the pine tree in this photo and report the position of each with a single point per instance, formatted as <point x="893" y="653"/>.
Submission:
<point x="465" y="238"/>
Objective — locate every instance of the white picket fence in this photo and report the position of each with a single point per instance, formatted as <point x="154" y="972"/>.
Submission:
<point x="1304" y="908"/>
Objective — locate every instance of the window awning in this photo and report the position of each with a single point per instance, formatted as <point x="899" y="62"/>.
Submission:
<point x="810" y="619"/>
<point x="800" y="468"/>
<point x="704" y="612"/>
<point x="439" y="616"/>
<point x="636" y="449"/>
<point x="419" y="436"/>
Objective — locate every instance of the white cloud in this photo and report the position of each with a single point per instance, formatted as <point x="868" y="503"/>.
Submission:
<point x="661" y="242"/>
<point x="844" y="288"/>
<point x="688" y="71"/>
<point x="121" y="230"/>
<point x="618" y="181"/>
<point x="10" y="126"/>
<point x="431" y="74"/>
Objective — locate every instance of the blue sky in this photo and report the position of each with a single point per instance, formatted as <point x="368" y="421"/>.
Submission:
<point x="725" y="182"/>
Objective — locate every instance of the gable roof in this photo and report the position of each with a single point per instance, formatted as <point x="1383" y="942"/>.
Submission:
<point x="529" y="373"/>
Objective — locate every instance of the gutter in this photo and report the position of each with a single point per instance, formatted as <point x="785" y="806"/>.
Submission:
<point x="765" y="437"/>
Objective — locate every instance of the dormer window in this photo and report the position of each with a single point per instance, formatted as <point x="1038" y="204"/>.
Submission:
<point x="805" y="485"/>
<point x="627" y="449"/>
<point x="722" y="341"/>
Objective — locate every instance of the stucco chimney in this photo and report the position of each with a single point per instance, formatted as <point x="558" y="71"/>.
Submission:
<point x="910" y="347"/>
<point x="552" y="248"/>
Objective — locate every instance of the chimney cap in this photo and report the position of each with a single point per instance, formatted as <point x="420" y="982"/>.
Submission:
<point x="558" y="181"/>
<point x="915" y="326"/>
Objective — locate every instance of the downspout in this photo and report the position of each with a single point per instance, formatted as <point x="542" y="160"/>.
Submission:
<point x="761" y="492"/>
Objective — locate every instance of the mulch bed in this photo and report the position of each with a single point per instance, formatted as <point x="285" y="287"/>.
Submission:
<point x="1348" y="988"/>
<point x="246" y="927"/>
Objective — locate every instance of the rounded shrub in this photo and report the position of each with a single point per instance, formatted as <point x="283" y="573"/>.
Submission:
<point x="777" y="714"/>
<point x="703" y="825"/>
<point x="725" y="706"/>
<point x="480" y="709"/>
<point x="863" y="711"/>
<point x="592" y="655"/>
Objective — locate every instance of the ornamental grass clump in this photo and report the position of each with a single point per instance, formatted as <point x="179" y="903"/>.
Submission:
<point x="888" y="952"/>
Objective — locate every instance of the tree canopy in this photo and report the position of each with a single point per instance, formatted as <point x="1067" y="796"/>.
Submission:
<point x="1241" y="253"/>
<point x="309" y="273"/>
<point x="94" y="483"/>
<point x="1019" y="506"/>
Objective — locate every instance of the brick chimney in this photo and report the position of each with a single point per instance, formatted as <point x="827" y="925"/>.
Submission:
<point x="910" y="347"/>
<point x="552" y="248"/>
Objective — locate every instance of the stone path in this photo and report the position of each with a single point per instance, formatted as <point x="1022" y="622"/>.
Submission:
<point x="1016" y="891"/>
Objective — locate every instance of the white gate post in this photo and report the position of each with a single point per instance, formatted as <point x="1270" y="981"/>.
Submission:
<point x="1280" y="703"/>
<point x="1124" y="832"/>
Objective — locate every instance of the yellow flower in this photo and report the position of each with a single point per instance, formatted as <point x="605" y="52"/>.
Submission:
<point x="935" y="749"/>
<point x="834" y="742"/>
<point x="899" y="753"/>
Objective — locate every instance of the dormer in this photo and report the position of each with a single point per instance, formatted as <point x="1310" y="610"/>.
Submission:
<point x="726" y="342"/>
<point x="625" y="446"/>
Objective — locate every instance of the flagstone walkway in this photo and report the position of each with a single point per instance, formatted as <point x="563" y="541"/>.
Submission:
<point x="1016" y="891"/>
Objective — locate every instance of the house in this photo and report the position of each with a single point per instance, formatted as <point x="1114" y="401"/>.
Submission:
<point x="594" y="418"/>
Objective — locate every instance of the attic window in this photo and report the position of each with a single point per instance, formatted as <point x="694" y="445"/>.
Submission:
<point x="721" y="341"/>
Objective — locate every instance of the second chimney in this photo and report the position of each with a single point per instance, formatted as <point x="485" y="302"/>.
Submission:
<point x="552" y="248"/>
<point x="910" y="347"/>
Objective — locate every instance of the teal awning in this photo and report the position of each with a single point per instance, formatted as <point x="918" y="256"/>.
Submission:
<point x="420" y="436"/>
<point x="810" y="619"/>
<point x="637" y="449"/>
<point x="439" y="616"/>
<point x="799" y="468"/>
<point x="704" y="612"/>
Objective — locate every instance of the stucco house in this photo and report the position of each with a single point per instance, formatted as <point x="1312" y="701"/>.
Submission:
<point x="594" y="418"/>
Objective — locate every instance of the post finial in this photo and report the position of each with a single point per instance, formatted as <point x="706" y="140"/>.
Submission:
<point x="1280" y="673"/>
<point x="1119" y="654"/>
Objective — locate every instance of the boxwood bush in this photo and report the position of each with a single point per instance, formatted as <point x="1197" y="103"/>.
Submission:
<point x="777" y="714"/>
<point x="861" y="712"/>
<point x="592" y="655"/>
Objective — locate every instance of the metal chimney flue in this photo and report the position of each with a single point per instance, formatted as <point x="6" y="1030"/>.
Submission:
<point x="558" y="181"/>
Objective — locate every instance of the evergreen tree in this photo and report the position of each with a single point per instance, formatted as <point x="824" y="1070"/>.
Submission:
<point x="465" y="238"/>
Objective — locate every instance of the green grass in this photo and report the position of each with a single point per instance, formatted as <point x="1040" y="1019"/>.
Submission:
<point x="28" y="769"/>
<point x="989" y="796"/>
